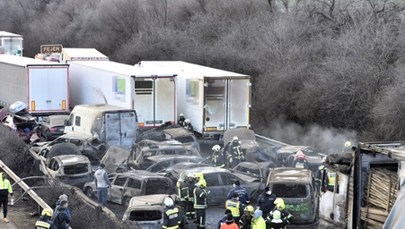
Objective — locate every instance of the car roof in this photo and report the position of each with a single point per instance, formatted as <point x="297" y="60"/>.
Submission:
<point x="176" y="132"/>
<point x="285" y="174"/>
<point x="72" y="159"/>
<point x="141" y="174"/>
<point x="159" y="158"/>
<point x="293" y="148"/>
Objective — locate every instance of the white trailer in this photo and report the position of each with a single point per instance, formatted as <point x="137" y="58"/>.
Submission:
<point x="42" y="85"/>
<point x="214" y="100"/>
<point x="81" y="54"/>
<point x="11" y="43"/>
<point x="150" y="93"/>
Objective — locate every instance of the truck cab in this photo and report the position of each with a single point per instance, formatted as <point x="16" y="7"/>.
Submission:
<point x="110" y="124"/>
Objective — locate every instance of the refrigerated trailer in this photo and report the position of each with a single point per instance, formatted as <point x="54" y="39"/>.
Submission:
<point x="150" y="93"/>
<point x="214" y="100"/>
<point x="42" y="85"/>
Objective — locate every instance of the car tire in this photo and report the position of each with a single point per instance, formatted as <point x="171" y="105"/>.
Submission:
<point x="89" y="192"/>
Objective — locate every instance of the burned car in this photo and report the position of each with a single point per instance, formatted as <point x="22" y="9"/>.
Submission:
<point x="52" y="127"/>
<point x="148" y="211"/>
<point x="141" y="152"/>
<point x="220" y="181"/>
<point x="256" y="169"/>
<point x="132" y="183"/>
<point x="298" y="189"/>
<point x="287" y="154"/>
<point x="74" y="170"/>
<point x="88" y="146"/>
<point x="20" y="122"/>
<point x="173" y="132"/>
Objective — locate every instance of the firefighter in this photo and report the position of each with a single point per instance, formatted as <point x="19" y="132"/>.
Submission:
<point x="279" y="217"/>
<point x="331" y="180"/>
<point x="187" y="125"/>
<point x="182" y="190"/>
<point x="347" y="147"/>
<point x="266" y="201"/>
<point x="44" y="222"/>
<point x="300" y="161"/>
<point x="171" y="218"/>
<point x="245" y="221"/>
<point x="235" y="153"/>
<point x="181" y="120"/>
<point x="200" y="201"/>
<point x="217" y="158"/>
<point x="235" y="206"/>
<point x="190" y="182"/>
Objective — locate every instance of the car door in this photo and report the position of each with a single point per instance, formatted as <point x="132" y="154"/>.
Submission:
<point x="226" y="181"/>
<point x="216" y="195"/>
<point x="116" y="191"/>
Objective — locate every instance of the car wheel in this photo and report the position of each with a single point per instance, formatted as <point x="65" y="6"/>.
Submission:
<point x="89" y="192"/>
<point x="125" y="201"/>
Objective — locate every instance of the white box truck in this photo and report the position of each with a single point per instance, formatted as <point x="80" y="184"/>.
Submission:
<point x="42" y="85"/>
<point x="150" y="92"/>
<point x="214" y="100"/>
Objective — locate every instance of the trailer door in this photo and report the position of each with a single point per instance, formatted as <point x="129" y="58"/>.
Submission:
<point x="48" y="89"/>
<point x="120" y="128"/>
<point x="238" y="103"/>
<point x="214" y="105"/>
<point x="155" y="100"/>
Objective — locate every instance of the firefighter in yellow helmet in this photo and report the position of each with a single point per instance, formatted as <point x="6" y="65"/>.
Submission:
<point x="44" y="222"/>
<point x="245" y="221"/>
<point x="279" y="217"/>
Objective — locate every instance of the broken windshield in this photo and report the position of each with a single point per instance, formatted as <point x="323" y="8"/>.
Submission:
<point x="142" y="215"/>
<point x="290" y="190"/>
<point x="76" y="169"/>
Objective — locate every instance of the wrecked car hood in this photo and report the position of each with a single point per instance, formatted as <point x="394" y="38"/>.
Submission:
<point x="114" y="157"/>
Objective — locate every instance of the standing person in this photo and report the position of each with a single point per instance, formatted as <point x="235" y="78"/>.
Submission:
<point x="181" y="120"/>
<point x="221" y="221"/>
<point x="235" y="206"/>
<point x="190" y="211"/>
<point x="187" y="125"/>
<point x="245" y="221"/>
<point x="61" y="198"/>
<point x="229" y="223"/>
<point x="62" y="216"/>
<point x="45" y="222"/>
<point x="266" y="202"/>
<point x="235" y="153"/>
<point x="102" y="184"/>
<point x="258" y="221"/>
<point x="217" y="158"/>
<point x="300" y="161"/>
<point x="200" y="202"/>
<point x="278" y="218"/>
<point x="171" y="218"/>
<point x="242" y="193"/>
<point x="182" y="191"/>
<point x="5" y="190"/>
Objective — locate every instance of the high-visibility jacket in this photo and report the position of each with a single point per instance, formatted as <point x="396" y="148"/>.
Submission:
<point x="331" y="178"/>
<point x="200" y="198"/>
<point x="171" y="219"/>
<point x="5" y="184"/>
<point x="234" y="206"/>
<point x="258" y="223"/>
<point x="42" y="224"/>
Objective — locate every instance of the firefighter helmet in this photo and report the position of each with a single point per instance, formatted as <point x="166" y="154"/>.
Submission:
<point x="235" y="138"/>
<point x="46" y="212"/>
<point x="216" y="147"/>
<point x="168" y="202"/>
<point x="249" y="208"/>
<point x="280" y="205"/>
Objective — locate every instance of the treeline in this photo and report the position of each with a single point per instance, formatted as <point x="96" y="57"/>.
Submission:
<point x="333" y="63"/>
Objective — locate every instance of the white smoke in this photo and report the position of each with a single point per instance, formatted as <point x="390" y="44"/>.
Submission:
<point x="324" y="140"/>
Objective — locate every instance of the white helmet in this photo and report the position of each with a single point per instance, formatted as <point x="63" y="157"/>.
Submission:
<point x="168" y="202"/>
<point x="216" y="147"/>
<point x="235" y="138"/>
<point x="181" y="115"/>
<point x="187" y="121"/>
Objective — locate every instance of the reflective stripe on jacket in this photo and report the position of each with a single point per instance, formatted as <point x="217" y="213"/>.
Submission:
<point x="42" y="224"/>
<point x="234" y="206"/>
<point x="171" y="218"/>
<point x="200" y="198"/>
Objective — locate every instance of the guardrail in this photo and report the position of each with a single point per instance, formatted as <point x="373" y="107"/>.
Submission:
<point x="24" y="186"/>
<point x="265" y="141"/>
